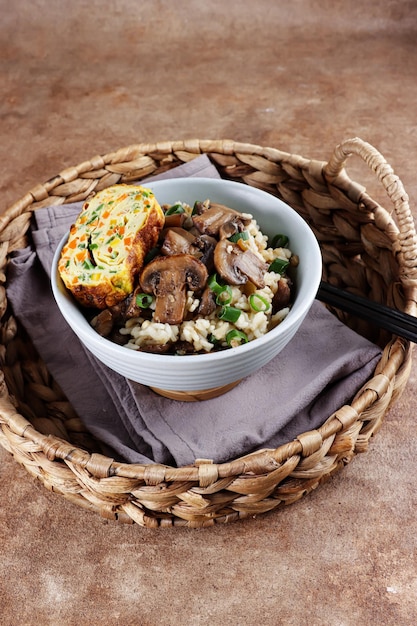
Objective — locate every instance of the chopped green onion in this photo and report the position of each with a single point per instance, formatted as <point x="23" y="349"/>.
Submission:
<point x="229" y="314"/>
<point x="175" y="209"/>
<point x="244" y="235"/>
<point x="225" y="295"/>
<point x="93" y="246"/>
<point x="258" y="302"/>
<point x="196" y="207"/>
<point x="280" y="241"/>
<point x="278" y="266"/>
<point x="94" y="216"/>
<point x="87" y="265"/>
<point x="235" y="338"/>
<point x="144" y="300"/>
<point x="214" y="284"/>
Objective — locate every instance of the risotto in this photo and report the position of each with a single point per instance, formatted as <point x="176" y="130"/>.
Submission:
<point x="212" y="282"/>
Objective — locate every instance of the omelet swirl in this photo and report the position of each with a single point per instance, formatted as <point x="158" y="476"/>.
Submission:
<point x="108" y="242"/>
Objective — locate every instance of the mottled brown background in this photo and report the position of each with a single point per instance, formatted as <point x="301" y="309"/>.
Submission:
<point x="80" y="78"/>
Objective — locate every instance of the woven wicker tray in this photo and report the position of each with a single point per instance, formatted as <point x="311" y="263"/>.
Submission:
<point x="364" y="249"/>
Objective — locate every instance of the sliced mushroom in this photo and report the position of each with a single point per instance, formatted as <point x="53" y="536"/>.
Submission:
<point x="237" y="266"/>
<point x="282" y="296"/>
<point x="106" y="321"/>
<point x="206" y="245"/>
<point x="200" y="207"/>
<point x="132" y="307"/>
<point x="228" y="229"/>
<point x="182" y="241"/>
<point x="207" y="302"/>
<point x="103" y="322"/>
<point x="210" y="221"/>
<point x="168" y="278"/>
<point x="177" y="241"/>
<point x="175" y="220"/>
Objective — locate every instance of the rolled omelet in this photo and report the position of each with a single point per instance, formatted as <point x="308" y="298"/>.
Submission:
<point x="108" y="243"/>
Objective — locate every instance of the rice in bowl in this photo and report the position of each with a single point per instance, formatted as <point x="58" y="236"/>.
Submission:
<point x="257" y="309"/>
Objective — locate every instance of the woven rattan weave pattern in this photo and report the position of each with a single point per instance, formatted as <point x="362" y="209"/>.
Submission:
<point x="364" y="250"/>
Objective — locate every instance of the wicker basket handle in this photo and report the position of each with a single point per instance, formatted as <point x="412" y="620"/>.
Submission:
<point x="393" y="186"/>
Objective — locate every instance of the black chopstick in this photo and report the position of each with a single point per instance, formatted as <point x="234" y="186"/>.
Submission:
<point x="396" y="322"/>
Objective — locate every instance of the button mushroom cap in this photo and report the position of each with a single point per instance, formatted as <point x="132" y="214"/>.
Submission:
<point x="237" y="266"/>
<point x="168" y="277"/>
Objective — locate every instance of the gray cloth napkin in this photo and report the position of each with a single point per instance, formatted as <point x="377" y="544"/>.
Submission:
<point x="319" y="371"/>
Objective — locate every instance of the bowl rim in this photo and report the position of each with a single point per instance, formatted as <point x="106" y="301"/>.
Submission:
<point x="86" y="332"/>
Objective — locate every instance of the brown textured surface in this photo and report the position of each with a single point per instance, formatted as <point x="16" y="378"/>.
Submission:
<point x="291" y="75"/>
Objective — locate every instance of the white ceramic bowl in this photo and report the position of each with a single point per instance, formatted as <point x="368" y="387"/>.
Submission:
<point x="208" y="371"/>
